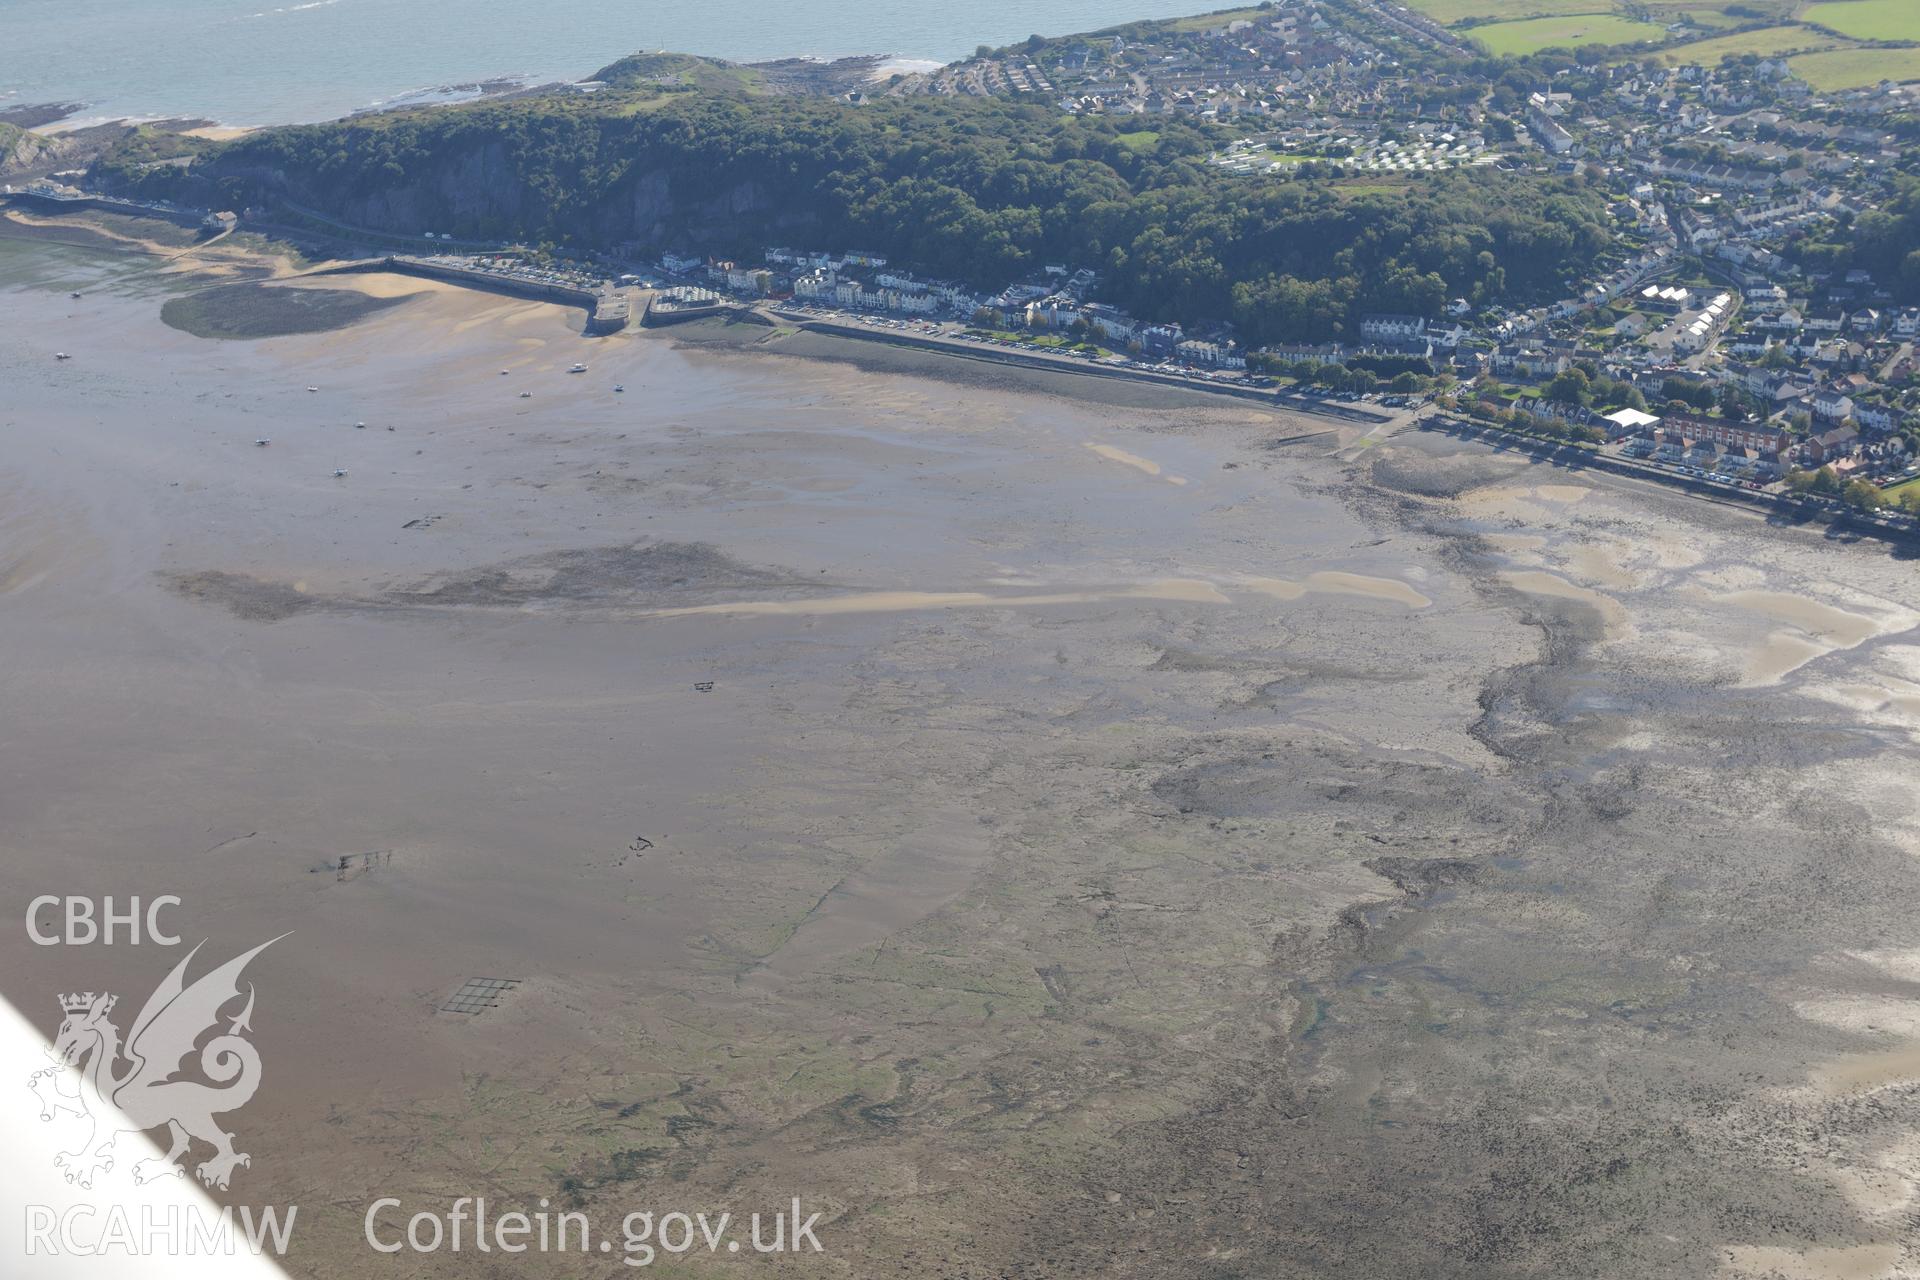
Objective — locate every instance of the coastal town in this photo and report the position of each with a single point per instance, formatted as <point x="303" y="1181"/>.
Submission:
<point x="1696" y="368"/>
<point x="1699" y="369"/>
<point x="1710" y="343"/>
<point x="1713" y="342"/>
<point x="1688" y="361"/>
<point x="1705" y="351"/>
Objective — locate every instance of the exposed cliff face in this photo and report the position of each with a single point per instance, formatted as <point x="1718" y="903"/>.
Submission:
<point x="475" y="183"/>
<point x="27" y="153"/>
<point x="24" y="152"/>
<point x="469" y="189"/>
<point x="482" y="193"/>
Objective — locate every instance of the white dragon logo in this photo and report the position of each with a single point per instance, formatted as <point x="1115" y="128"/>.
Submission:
<point x="149" y="1092"/>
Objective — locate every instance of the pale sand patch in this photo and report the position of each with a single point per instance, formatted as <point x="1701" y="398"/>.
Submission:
<point x="505" y="312"/>
<point x="1121" y="456"/>
<point x="1333" y="582"/>
<point x="1861" y="1262"/>
<point x="1860" y="1072"/>
<point x="1599" y="564"/>
<point x="1671" y="552"/>
<point x="1865" y="1015"/>
<point x="219" y="132"/>
<point x="1522" y="502"/>
<point x="1819" y="629"/>
<point x="1548" y="492"/>
<point x="1779" y="656"/>
<point x="144" y="245"/>
<point x="217" y="259"/>
<point x="1537" y="583"/>
<point x="1185" y="590"/>
<point x="1822" y="620"/>
<point x="1903" y="658"/>
<point x="1904" y="965"/>
<point x="375" y="284"/>
<point x="1134" y="460"/>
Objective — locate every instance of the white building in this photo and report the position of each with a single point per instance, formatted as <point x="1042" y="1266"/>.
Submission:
<point x="749" y="279"/>
<point x="814" y="285"/>
<point x="1391" y="328"/>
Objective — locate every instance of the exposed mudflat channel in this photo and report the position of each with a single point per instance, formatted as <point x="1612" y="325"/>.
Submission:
<point x="1053" y="838"/>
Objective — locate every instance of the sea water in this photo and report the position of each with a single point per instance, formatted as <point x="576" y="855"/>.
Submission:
<point x="280" y="61"/>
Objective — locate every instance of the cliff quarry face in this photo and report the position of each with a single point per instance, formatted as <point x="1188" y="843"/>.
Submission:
<point x="480" y="187"/>
<point x="25" y="153"/>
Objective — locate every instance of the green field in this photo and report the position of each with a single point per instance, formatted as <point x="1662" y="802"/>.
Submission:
<point x="1856" y="68"/>
<point x="1869" y="19"/>
<point x="1139" y="140"/>
<point x="1708" y="14"/>
<point x="1448" y="12"/>
<point x="1767" y="42"/>
<point x="1705" y="19"/>
<point x="1214" y="21"/>
<point x="1513" y="39"/>
<point x="1713" y="13"/>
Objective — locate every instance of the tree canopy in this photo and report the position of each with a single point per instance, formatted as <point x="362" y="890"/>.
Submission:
<point x="980" y="191"/>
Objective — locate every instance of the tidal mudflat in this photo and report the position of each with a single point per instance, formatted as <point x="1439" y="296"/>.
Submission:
<point x="888" y="788"/>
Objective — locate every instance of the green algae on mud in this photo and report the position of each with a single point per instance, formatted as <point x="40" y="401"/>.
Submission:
<point x="255" y="310"/>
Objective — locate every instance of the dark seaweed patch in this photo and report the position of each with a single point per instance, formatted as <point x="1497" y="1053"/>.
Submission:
<point x="269" y="311"/>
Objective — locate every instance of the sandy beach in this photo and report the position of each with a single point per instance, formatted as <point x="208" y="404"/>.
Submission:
<point x="1053" y="836"/>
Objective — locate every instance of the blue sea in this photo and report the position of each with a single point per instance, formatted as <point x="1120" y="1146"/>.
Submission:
<point x="259" y="62"/>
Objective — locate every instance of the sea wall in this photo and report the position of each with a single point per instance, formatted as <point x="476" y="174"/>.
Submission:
<point x="1088" y="368"/>
<point x="41" y="202"/>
